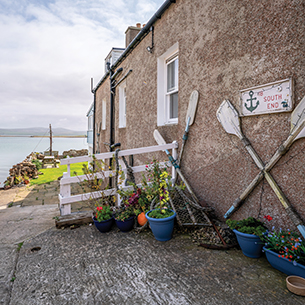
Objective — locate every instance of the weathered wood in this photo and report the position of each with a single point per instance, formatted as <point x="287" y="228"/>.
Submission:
<point x="127" y="152"/>
<point x="73" y="219"/>
<point x="65" y="197"/>
<point x="297" y="120"/>
<point x="191" y="110"/>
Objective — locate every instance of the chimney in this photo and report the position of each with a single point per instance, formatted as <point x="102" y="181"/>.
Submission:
<point x="131" y="33"/>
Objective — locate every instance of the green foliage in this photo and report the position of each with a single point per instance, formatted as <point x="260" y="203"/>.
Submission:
<point x="287" y="244"/>
<point x="154" y="185"/>
<point x="124" y="214"/>
<point x="52" y="174"/>
<point x="160" y="213"/>
<point x="19" y="246"/>
<point x="249" y="225"/>
<point x="103" y="213"/>
<point x="95" y="182"/>
<point x="37" y="163"/>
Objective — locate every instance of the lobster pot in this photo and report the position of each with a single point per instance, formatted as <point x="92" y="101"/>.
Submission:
<point x="189" y="212"/>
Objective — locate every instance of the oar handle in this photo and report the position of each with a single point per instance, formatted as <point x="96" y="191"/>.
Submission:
<point x="187" y="127"/>
<point x="174" y="163"/>
<point x="172" y="160"/>
<point x="284" y="147"/>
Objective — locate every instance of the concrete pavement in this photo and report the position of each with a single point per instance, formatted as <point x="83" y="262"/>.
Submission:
<point x="84" y="266"/>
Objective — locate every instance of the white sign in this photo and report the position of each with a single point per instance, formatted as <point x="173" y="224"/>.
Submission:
<point x="269" y="98"/>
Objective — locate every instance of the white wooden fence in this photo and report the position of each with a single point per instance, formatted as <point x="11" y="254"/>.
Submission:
<point x="65" y="197"/>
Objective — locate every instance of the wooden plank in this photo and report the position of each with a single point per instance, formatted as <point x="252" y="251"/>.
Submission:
<point x="79" y="218"/>
<point x="105" y="174"/>
<point x="127" y="152"/>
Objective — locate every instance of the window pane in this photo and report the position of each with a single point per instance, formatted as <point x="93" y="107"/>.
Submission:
<point x="173" y="106"/>
<point x="172" y="71"/>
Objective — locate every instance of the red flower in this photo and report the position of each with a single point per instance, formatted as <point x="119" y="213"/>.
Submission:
<point x="268" y="217"/>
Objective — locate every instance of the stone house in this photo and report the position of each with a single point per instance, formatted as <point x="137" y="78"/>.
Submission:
<point x="217" y="48"/>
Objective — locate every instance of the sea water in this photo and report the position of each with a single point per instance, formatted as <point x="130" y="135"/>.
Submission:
<point x="14" y="150"/>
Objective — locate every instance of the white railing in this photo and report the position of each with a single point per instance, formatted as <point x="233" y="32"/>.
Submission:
<point x="65" y="197"/>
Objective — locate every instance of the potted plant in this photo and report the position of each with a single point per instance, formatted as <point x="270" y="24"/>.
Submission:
<point x="95" y="183"/>
<point x="124" y="219"/>
<point x="285" y="251"/>
<point x="103" y="218"/>
<point x="248" y="232"/>
<point x="162" y="219"/>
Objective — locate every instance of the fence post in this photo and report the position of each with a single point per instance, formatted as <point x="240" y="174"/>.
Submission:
<point x="65" y="191"/>
<point x="175" y="156"/>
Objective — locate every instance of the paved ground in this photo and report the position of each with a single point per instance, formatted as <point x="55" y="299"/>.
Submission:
<point x="84" y="266"/>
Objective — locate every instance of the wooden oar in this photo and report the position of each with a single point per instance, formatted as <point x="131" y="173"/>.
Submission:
<point x="228" y="117"/>
<point x="159" y="139"/>
<point x="190" y="116"/>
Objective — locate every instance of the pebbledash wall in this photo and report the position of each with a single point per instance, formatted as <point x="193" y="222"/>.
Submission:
<point x="224" y="46"/>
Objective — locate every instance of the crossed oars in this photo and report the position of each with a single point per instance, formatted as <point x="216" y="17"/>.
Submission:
<point x="229" y="119"/>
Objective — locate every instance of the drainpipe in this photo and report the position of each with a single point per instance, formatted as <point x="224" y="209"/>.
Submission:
<point x="112" y="112"/>
<point x="94" y="106"/>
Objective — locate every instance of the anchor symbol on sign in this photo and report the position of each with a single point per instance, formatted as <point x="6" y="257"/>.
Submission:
<point x="251" y="108"/>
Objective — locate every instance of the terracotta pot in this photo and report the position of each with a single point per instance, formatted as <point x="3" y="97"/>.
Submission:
<point x="142" y="219"/>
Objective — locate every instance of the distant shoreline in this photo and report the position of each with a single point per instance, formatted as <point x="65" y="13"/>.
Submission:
<point x="21" y="136"/>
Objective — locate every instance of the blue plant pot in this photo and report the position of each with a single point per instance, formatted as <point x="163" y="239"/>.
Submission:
<point x="283" y="264"/>
<point x="126" y="225"/>
<point x="103" y="226"/>
<point x="251" y="245"/>
<point x="162" y="228"/>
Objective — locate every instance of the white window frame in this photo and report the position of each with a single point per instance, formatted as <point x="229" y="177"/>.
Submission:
<point x="163" y="97"/>
<point x="122" y="105"/>
<point x="103" y="114"/>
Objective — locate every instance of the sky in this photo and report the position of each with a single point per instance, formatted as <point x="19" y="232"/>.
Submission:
<point x="50" y="50"/>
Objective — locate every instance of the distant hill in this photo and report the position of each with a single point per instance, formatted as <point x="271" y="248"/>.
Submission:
<point x="40" y="131"/>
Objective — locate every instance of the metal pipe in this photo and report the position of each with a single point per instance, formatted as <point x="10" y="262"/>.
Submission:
<point x="116" y="73"/>
<point x="94" y="102"/>
<point x="122" y="79"/>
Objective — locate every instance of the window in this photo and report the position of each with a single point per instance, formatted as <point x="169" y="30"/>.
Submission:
<point x="103" y="115"/>
<point x="90" y="122"/>
<point x="168" y="68"/>
<point x="122" y="106"/>
<point x="172" y="89"/>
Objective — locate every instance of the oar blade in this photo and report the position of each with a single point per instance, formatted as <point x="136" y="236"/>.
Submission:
<point x="228" y="117"/>
<point x="159" y="139"/>
<point x="192" y="108"/>
<point x="298" y="118"/>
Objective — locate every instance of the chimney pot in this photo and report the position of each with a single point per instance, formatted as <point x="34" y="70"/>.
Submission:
<point x="144" y="25"/>
<point x="138" y="25"/>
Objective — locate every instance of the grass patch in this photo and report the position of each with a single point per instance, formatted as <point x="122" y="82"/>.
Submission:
<point x="19" y="246"/>
<point x="52" y="174"/>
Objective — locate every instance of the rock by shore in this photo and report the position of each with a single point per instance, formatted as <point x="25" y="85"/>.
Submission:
<point x="22" y="172"/>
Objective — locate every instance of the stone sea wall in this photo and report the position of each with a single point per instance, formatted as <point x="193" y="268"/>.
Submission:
<point x="22" y="172"/>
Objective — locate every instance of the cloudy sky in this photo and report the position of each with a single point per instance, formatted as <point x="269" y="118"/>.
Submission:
<point x="49" y="50"/>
